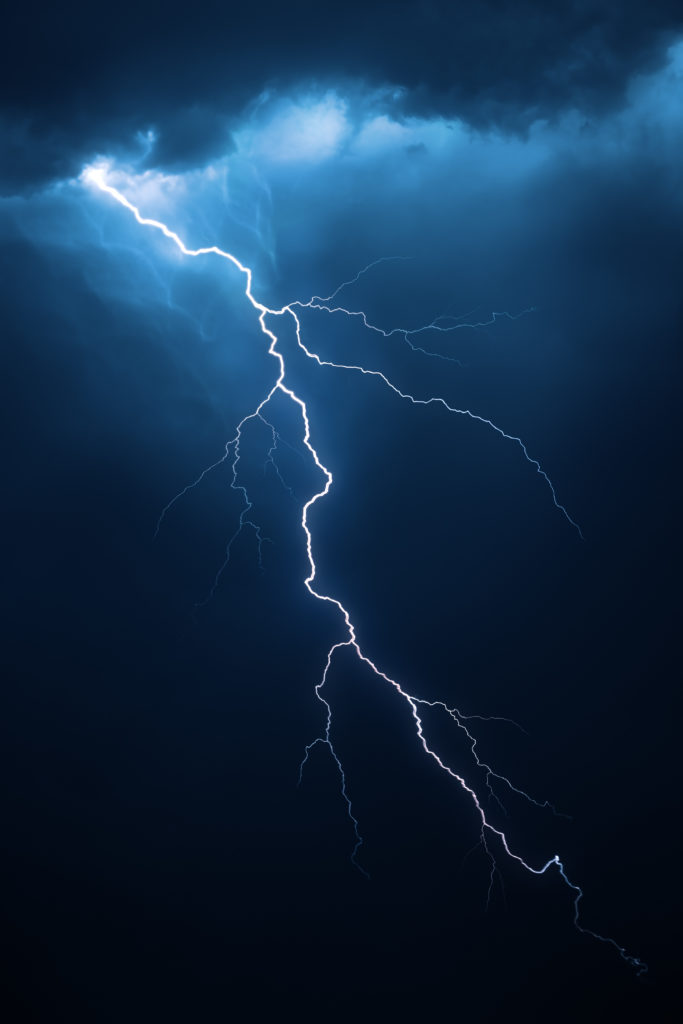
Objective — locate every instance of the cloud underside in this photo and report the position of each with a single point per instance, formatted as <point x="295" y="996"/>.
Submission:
<point x="90" y="80"/>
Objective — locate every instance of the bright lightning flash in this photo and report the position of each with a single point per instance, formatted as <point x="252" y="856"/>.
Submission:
<point x="97" y="176"/>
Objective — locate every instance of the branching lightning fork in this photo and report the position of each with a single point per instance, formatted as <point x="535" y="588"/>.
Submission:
<point x="97" y="176"/>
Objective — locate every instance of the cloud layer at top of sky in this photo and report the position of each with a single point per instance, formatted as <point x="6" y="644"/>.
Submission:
<point x="332" y="132"/>
<point x="77" y="83"/>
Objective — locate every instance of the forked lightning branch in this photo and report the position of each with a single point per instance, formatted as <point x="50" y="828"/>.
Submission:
<point x="491" y="837"/>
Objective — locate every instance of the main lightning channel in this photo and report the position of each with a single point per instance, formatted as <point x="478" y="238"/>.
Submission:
<point x="97" y="176"/>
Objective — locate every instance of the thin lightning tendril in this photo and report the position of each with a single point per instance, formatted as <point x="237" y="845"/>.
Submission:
<point x="270" y="456"/>
<point x="95" y="175"/>
<point x="439" y="323"/>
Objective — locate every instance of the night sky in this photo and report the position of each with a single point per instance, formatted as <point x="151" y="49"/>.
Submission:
<point x="159" y="860"/>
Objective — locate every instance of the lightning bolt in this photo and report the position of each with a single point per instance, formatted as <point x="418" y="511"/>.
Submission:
<point x="96" y="176"/>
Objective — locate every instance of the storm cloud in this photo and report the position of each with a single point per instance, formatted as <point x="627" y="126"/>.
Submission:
<point x="81" y="78"/>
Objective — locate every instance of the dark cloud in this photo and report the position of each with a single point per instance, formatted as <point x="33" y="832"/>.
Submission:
<point x="81" y="77"/>
<point x="38" y="148"/>
<point x="188" y="138"/>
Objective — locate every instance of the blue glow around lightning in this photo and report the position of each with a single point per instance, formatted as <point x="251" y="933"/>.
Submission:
<point x="96" y="176"/>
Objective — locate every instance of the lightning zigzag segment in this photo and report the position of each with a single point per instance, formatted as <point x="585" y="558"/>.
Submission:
<point x="97" y="176"/>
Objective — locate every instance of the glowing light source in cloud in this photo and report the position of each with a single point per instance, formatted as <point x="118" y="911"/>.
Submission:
<point x="299" y="131"/>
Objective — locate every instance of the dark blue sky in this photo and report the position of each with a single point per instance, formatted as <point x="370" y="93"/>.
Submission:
<point x="160" y="861"/>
